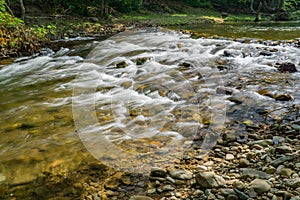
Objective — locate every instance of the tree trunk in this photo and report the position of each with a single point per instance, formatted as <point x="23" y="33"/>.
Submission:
<point x="22" y="9"/>
<point x="257" y="14"/>
<point x="102" y="8"/>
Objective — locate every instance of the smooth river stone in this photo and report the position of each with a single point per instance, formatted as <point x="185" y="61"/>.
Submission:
<point x="181" y="174"/>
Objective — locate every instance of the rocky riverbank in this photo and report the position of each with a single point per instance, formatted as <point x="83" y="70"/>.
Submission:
<point x="265" y="164"/>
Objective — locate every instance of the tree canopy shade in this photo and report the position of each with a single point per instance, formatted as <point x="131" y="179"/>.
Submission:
<point x="278" y="9"/>
<point x="274" y="9"/>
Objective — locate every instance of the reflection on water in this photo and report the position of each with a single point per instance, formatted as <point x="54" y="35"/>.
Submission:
<point x="143" y="89"/>
<point x="260" y="30"/>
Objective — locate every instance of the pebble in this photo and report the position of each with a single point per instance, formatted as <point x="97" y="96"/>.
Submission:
<point x="209" y="180"/>
<point x="283" y="149"/>
<point x="286" y="172"/>
<point x="241" y="194"/>
<point x="260" y="186"/>
<point x="112" y="183"/>
<point x="282" y="159"/>
<point x="227" y="191"/>
<point x="232" y="197"/>
<point x="181" y="174"/>
<point x="244" y="163"/>
<point x="229" y="157"/>
<point x="239" y="185"/>
<point x="140" y="198"/>
<point x="168" y="188"/>
<point x="158" y="172"/>
<point x="255" y="173"/>
<point x="294" y="183"/>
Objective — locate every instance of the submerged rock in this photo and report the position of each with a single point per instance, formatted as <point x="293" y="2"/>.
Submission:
<point x="278" y="97"/>
<point x="158" y="172"/>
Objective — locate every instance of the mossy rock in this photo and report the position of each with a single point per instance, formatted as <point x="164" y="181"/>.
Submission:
<point x="141" y="61"/>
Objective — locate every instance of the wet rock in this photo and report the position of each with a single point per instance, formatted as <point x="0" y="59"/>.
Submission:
<point x="97" y="166"/>
<point x="286" y="67"/>
<point x="278" y="97"/>
<point x="222" y="69"/>
<point x="137" y="197"/>
<point x="227" y="191"/>
<point x="239" y="185"/>
<point x="255" y="173"/>
<point x="294" y="182"/>
<point x="235" y="100"/>
<point x="244" y="163"/>
<point x="232" y="197"/>
<point x="241" y="194"/>
<point x="232" y="53"/>
<point x="151" y="191"/>
<point x="265" y="92"/>
<point x="270" y="170"/>
<point x="181" y="174"/>
<point x="168" y="188"/>
<point x="286" y="172"/>
<point x="283" y="149"/>
<point x="265" y="53"/>
<point x="225" y="91"/>
<point x="263" y="143"/>
<point x="141" y="61"/>
<point x="186" y="65"/>
<point x="170" y="179"/>
<point x="229" y="156"/>
<point x="282" y="159"/>
<point x="112" y="183"/>
<point x="260" y="186"/>
<point x="209" y="180"/>
<point x="296" y="127"/>
<point x="158" y="172"/>
<point x="283" y="97"/>
<point x="122" y="64"/>
<point x="277" y="140"/>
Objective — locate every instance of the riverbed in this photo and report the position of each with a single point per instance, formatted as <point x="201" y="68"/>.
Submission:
<point x="138" y="99"/>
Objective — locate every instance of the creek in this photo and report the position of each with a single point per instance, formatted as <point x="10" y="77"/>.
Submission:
<point x="136" y="100"/>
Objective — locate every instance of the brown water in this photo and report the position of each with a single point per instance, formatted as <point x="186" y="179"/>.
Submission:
<point x="138" y="99"/>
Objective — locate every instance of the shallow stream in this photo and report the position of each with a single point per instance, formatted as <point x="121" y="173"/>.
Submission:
<point x="138" y="99"/>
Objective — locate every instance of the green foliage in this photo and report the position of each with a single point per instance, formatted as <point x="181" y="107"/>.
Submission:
<point x="6" y="20"/>
<point x="43" y="31"/>
<point x="15" y="38"/>
<point x="198" y="3"/>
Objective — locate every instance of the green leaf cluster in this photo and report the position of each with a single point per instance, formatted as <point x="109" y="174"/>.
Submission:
<point x="6" y="19"/>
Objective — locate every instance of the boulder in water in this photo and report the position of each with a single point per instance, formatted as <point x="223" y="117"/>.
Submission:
<point x="286" y="67"/>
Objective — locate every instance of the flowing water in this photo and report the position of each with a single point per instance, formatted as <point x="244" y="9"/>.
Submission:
<point x="136" y="100"/>
<point x="259" y="30"/>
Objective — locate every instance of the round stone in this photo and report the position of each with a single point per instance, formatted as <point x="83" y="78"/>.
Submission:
<point x="181" y="174"/>
<point x="229" y="156"/>
<point x="260" y="186"/>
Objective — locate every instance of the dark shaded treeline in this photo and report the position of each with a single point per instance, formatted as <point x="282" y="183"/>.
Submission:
<point x="277" y="9"/>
